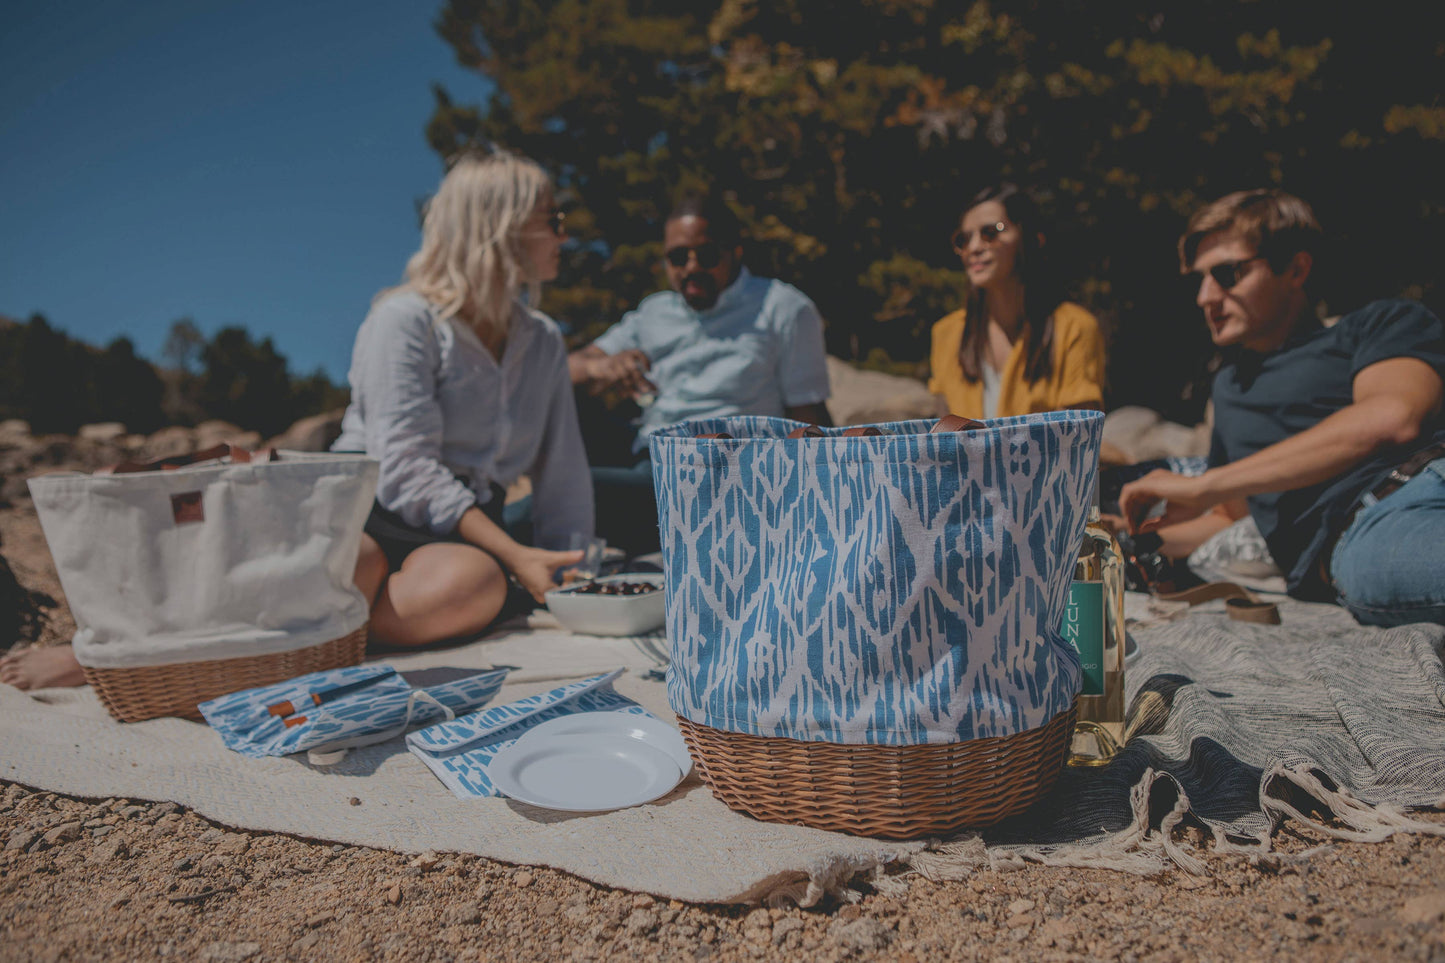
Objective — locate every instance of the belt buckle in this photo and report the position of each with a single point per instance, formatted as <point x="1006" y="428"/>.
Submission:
<point x="1389" y="483"/>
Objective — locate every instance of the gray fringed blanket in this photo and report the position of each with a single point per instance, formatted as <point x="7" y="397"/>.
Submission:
<point x="1240" y="726"/>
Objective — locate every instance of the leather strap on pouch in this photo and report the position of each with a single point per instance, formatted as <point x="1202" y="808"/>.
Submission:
<point x="1240" y="603"/>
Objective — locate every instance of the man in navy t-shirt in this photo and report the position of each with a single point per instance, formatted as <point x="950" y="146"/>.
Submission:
<point x="1332" y="437"/>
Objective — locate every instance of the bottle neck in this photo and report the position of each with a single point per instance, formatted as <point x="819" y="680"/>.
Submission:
<point x="1094" y="514"/>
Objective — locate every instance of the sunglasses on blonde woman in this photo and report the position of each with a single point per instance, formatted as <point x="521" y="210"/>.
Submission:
<point x="988" y="232"/>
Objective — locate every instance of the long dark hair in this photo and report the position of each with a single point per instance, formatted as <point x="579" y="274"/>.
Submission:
<point x="1042" y="290"/>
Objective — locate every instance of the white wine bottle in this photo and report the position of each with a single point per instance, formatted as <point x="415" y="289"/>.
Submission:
<point x="1094" y="624"/>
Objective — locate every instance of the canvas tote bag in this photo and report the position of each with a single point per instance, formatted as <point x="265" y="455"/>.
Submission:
<point x="899" y="589"/>
<point x="222" y="558"/>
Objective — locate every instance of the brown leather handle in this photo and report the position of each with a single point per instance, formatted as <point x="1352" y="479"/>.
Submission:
<point x="861" y="431"/>
<point x="955" y="423"/>
<point x="806" y="431"/>
<point x="716" y="434"/>
<point x="238" y="456"/>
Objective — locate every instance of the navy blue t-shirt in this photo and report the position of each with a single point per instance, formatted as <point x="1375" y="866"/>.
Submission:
<point x="1260" y="400"/>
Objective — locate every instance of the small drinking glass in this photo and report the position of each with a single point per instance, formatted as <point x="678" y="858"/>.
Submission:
<point x="591" y="564"/>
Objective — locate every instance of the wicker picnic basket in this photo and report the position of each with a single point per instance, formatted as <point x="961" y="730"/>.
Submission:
<point x="864" y="627"/>
<point x="208" y="573"/>
<point x="149" y="692"/>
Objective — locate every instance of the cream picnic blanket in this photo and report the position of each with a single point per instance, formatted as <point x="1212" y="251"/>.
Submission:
<point x="1242" y="728"/>
<point x="686" y="845"/>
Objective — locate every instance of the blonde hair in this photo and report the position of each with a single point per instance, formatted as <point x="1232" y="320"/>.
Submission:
<point x="470" y="263"/>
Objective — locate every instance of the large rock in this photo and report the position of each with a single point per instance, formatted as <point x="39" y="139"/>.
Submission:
<point x="865" y="397"/>
<point x="209" y="434"/>
<point x="315" y="433"/>
<point x="1142" y="434"/>
<point x="106" y="431"/>
<point x="178" y="440"/>
<point x="14" y="431"/>
<point x="172" y="440"/>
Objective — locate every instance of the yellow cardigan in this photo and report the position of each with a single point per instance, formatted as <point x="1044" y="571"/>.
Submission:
<point x="1076" y="381"/>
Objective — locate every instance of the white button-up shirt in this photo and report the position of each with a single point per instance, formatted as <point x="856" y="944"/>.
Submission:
<point x="447" y="421"/>
<point x="758" y="350"/>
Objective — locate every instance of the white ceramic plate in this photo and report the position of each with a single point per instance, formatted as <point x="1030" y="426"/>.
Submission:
<point x="583" y="772"/>
<point x="621" y="725"/>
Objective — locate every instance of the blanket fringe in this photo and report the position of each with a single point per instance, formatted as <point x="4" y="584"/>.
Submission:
<point x="1137" y="849"/>
<point x="1142" y="850"/>
<point x="830" y="880"/>
<point x="1363" y="822"/>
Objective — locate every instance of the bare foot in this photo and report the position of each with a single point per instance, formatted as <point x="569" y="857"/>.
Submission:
<point x="41" y="668"/>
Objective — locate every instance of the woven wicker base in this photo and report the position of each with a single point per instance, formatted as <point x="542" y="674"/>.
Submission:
<point x="148" y="692"/>
<point x="893" y="792"/>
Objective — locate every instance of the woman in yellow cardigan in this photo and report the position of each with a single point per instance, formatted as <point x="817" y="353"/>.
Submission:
<point x="1017" y="347"/>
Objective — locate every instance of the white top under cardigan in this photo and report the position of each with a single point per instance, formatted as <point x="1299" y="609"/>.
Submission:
<point x="446" y="421"/>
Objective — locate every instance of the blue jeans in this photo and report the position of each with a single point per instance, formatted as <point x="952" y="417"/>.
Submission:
<point x="1389" y="565"/>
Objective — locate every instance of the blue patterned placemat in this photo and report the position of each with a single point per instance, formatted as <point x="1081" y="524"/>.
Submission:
<point x="244" y="723"/>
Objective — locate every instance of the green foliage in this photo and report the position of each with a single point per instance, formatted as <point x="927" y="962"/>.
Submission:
<point x="849" y="139"/>
<point x="58" y="384"/>
<point x="244" y="381"/>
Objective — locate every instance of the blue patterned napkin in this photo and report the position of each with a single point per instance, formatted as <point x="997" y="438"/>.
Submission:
<point x="371" y="712"/>
<point x="459" y="751"/>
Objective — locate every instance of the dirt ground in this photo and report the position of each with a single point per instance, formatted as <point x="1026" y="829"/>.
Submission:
<point x="119" y="879"/>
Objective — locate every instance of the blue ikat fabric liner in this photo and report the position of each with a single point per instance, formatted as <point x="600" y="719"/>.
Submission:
<point x="905" y="588"/>
<point x="246" y="725"/>
<point x="459" y="751"/>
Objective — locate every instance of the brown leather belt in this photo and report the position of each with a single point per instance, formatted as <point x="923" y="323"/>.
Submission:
<point x="1398" y="476"/>
<point x="1396" y="479"/>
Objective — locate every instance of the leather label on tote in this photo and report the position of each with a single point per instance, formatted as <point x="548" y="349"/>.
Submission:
<point x="186" y="507"/>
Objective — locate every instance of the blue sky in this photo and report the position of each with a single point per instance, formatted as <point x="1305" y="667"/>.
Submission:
<point x="250" y="163"/>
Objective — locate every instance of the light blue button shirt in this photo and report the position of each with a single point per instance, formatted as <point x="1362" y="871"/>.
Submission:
<point x="446" y="421"/>
<point x="758" y="350"/>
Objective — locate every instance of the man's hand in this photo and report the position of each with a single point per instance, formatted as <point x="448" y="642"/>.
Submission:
<point x="624" y="371"/>
<point x="1184" y="497"/>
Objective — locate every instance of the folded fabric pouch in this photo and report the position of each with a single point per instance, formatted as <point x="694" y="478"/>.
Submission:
<point x="459" y="751"/>
<point x="339" y="709"/>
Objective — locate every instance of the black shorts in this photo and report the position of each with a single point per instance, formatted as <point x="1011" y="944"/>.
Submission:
<point x="398" y="539"/>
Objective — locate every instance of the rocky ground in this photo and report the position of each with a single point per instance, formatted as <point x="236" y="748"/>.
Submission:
<point x="119" y="879"/>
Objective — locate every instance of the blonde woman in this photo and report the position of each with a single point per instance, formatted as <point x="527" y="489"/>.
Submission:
<point x="458" y="388"/>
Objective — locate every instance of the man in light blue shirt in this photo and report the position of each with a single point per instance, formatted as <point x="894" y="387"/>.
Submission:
<point x="721" y="342"/>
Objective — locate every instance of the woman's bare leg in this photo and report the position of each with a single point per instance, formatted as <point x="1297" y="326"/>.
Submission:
<point x="371" y="569"/>
<point x="441" y="591"/>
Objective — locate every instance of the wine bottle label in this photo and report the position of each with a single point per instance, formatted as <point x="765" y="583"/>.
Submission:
<point x="1084" y="630"/>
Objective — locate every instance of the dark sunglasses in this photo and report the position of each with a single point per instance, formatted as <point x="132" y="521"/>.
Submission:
<point x="1228" y="273"/>
<point x="557" y="221"/>
<point x="988" y="232"/>
<point x="708" y="255"/>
